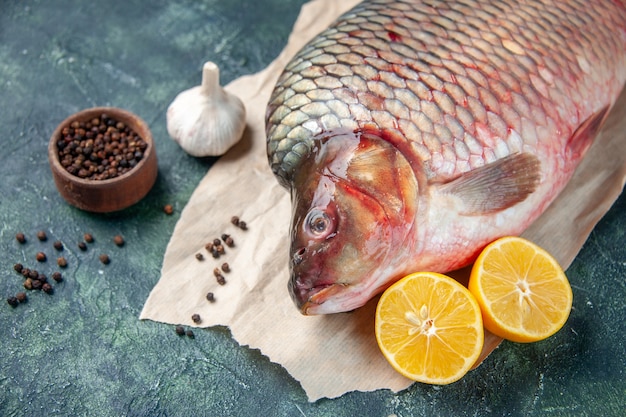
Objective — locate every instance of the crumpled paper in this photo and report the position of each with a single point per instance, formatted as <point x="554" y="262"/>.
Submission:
<point x="328" y="355"/>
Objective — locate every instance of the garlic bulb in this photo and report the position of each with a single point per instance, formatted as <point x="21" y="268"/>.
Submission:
<point x="206" y="120"/>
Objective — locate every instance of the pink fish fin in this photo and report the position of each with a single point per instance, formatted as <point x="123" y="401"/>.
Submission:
<point x="496" y="186"/>
<point x="584" y="135"/>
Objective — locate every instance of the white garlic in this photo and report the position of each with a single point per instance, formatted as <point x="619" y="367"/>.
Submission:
<point x="206" y="120"/>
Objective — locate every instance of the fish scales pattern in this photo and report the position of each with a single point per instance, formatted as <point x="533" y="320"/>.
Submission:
<point x="462" y="82"/>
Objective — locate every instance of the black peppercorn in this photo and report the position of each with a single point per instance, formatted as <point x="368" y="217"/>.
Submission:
<point x="20" y="237"/>
<point x="118" y="240"/>
<point x="88" y="237"/>
<point x="190" y="334"/>
<point x="220" y="249"/>
<point x="57" y="276"/>
<point x="62" y="262"/>
<point x="41" y="235"/>
<point x="21" y="297"/>
<point x="209" y="247"/>
<point x="41" y="257"/>
<point x="225" y="267"/>
<point x="12" y="301"/>
<point x="180" y="330"/>
<point x="32" y="273"/>
<point x="36" y="284"/>
<point x="18" y="268"/>
<point x="242" y="225"/>
<point x="82" y="246"/>
<point x="210" y="297"/>
<point x="104" y="258"/>
<point x="221" y="280"/>
<point x="199" y="256"/>
<point x="28" y="284"/>
<point x="235" y="220"/>
<point x="25" y="272"/>
<point x="47" y="288"/>
<point x="215" y="253"/>
<point x="168" y="209"/>
<point x="58" y="245"/>
<point x="100" y="151"/>
<point x="196" y="318"/>
<point x="217" y="242"/>
<point x="229" y="242"/>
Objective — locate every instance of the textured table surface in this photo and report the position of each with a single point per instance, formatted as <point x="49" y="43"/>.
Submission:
<point x="83" y="351"/>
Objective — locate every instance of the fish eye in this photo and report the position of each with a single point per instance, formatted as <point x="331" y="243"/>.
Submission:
<point x="318" y="223"/>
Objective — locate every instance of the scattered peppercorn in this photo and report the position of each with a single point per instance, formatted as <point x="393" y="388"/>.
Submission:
<point x="235" y="220"/>
<point x="41" y="235"/>
<point x="217" y="242"/>
<point x="57" y="276"/>
<point x="210" y="297"/>
<point x="104" y="258"/>
<point x="190" y="334"/>
<point x="196" y="318"/>
<point x="21" y="297"/>
<point x="43" y="278"/>
<point x="180" y="330"/>
<point x="118" y="240"/>
<point x="242" y="225"/>
<point x="225" y="267"/>
<point x="32" y="273"/>
<point x="41" y="257"/>
<point x="28" y="284"/>
<point x="58" y="245"/>
<point x="18" y="268"/>
<point x="199" y="256"/>
<point x="47" y="288"/>
<point x="88" y="237"/>
<point x="221" y="280"/>
<point x="25" y="272"/>
<point x="36" y="284"/>
<point x="99" y="149"/>
<point x="20" y="237"/>
<point x="209" y="247"/>
<point x="168" y="209"/>
<point x="62" y="262"/>
<point x="82" y="246"/>
<point x="229" y="242"/>
<point x="215" y="253"/>
<point x="12" y="301"/>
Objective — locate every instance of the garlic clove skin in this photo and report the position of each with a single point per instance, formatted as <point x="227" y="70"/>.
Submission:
<point x="206" y="120"/>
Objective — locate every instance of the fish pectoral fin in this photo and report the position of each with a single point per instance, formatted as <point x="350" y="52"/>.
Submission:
<point x="496" y="186"/>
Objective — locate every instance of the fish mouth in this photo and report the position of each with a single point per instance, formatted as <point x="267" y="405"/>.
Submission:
<point x="310" y="298"/>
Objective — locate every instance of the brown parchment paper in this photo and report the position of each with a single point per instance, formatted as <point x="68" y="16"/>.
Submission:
<point x="328" y="355"/>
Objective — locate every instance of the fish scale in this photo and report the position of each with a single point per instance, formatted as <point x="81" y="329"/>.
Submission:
<point x="455" y="86"/>
<point x="468" y="34"/>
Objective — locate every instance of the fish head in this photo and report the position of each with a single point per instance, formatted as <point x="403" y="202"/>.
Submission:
<point x="354" y="200"/>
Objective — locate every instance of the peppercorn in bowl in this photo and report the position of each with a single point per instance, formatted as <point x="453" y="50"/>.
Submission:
<point x="103" y="159"/>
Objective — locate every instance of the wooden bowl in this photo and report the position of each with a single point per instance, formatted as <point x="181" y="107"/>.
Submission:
<point x="105" y="195"/>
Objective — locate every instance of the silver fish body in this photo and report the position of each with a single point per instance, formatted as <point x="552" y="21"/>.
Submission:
<point x="412" y="133"/>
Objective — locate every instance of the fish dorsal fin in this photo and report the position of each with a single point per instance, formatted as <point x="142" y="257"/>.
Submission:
<point x="495" y="186"/>
<point x="584" y="135"/>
